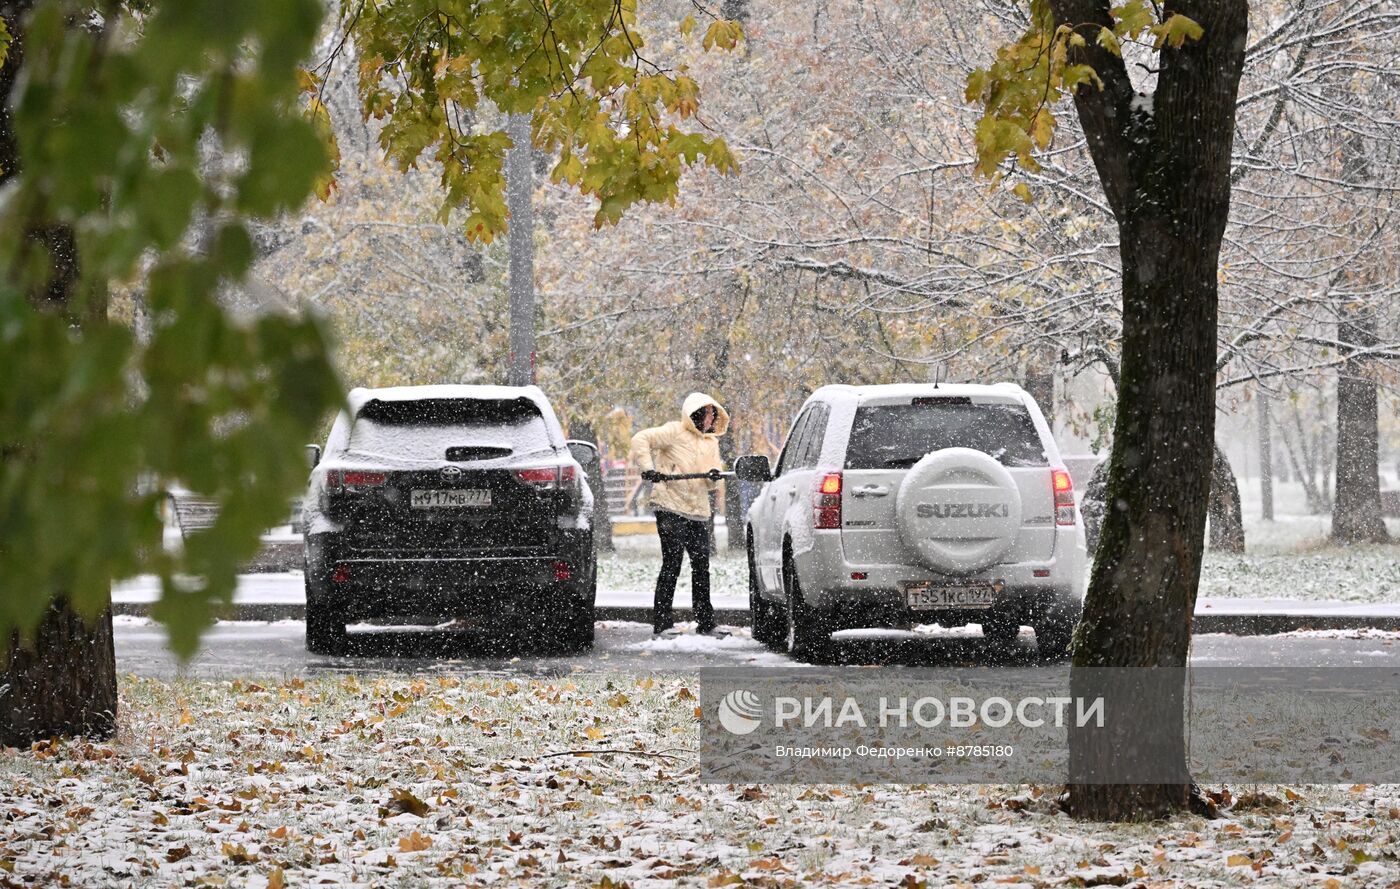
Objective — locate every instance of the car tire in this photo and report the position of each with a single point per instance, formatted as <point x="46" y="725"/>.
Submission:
<point x="1055" y="631"/>
<point x="325" y="632"/>
<point x="571" y="629"/>
<point x="808" y="637"/>
<point x="1001" y="630"/>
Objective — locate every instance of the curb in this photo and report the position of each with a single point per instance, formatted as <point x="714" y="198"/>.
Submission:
<point x="1232" y="624"/>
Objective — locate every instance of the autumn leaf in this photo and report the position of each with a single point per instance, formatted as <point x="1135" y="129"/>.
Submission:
<point x="238" y="853"/>
<point x="415" y="842"/>
<point x="405" y="802"/>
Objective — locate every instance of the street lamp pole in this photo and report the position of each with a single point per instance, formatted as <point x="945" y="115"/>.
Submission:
<point x="520" y="187"/>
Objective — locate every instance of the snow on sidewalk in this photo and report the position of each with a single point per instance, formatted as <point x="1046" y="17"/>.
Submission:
<point x="286" y="589"/>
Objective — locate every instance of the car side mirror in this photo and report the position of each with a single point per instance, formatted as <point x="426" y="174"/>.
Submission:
<point x="313" y="455"/>
<point x="586" y="453"/>
<point x="753" y="468"/>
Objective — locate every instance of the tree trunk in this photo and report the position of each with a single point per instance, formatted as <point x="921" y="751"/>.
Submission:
<point x="63" y="680"/>
<point x="1165" y="169"/>
<point x="1226" y="515"/>
<point x="1266" y="460"/>
<point x="1356" y="510"/>
<point x="62" y="684"/>
<point x="1039" y="381"/>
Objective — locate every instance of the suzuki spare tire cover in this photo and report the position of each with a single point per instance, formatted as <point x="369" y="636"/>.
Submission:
<point x="959" y="510"/>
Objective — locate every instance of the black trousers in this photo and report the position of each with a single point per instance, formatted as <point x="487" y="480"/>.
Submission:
<point x="681" y="536"/>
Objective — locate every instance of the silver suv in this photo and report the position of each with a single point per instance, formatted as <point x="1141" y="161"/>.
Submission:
<point x="899" y="505"/>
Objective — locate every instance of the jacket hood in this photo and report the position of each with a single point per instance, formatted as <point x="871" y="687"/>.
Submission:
<point x="694" y="402"/>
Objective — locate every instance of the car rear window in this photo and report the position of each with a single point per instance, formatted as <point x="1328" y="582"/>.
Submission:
<point x="889" y="436"/>
<point x="426" y="429"/>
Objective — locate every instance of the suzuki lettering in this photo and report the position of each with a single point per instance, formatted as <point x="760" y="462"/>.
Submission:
<point x="963" y="510"/>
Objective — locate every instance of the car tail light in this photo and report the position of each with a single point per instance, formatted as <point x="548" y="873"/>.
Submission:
<point x="342" y="479"/>
<point x="362" y="479"/>
<point x="826" y="503"/>
<point x="562" y="571"/>
<point x="341" y="574"/>
<point x="1064" y="497"/>
<point x="547" y="476"/>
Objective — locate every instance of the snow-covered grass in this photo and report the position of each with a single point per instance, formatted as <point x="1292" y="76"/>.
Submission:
<point x="445" y="782"/>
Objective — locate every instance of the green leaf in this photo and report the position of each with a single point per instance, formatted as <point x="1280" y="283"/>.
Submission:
<point x="4" y="41"/>
<point x="1175" y="31"/>
<point x="1109" y="41"/>
<point x="1132" y="18"/>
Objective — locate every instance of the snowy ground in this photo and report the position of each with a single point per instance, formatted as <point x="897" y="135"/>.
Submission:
<point x="277" y="649"/>
<point x="443" y="781"/>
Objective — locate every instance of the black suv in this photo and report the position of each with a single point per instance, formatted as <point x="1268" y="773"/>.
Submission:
<point x="458" y="502"/>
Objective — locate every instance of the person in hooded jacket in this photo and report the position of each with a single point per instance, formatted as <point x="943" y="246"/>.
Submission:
<point x="683" y="508"/>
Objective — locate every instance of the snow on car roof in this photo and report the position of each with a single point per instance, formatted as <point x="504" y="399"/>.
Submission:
<point x="893" y="392"/>
<point x="359" y="397"/>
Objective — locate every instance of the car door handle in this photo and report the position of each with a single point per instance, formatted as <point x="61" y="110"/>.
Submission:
<point x="870" y="491"/>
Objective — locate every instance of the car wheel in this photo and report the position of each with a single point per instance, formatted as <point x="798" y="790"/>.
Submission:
<point x="808" y="638"/>
<point x="1054" y="633"/>
<point x="570" y="630"/>
<point x="325" y="632"/>
<point x="1001" y="630"/>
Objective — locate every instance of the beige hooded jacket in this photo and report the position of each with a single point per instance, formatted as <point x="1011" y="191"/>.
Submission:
<point x="676" y="448"/>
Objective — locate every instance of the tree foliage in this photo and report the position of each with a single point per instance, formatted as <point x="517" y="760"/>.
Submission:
<point x="177" y="126"/>
<point x="1030" y="76"/>
<point x="606" y="114"/>
<point x="187" y="131"/>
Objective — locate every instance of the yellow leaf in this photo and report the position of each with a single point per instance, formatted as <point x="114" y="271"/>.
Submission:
<point x="593" y="732"/>
<point x="276" y="879"/>
<point x="1043" y="128"/>
<point x="1239" y="860"/>
<point x="687" y="25"/>
<point x="415" y="842"/>
<point x="1022" y="191"/>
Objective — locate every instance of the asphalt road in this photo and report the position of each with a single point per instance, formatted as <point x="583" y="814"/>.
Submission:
<point x="276" y="649"/>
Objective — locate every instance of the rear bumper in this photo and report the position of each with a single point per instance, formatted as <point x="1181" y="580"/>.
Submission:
<point x="1028" y="590"/>
<point x="448" y="585"/>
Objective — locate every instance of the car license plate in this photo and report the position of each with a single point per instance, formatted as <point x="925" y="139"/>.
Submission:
<point x="927" y="597"/>
<point x="450" y="499"/>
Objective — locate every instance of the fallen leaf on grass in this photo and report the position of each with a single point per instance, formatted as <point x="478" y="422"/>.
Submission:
<point x="404" y="802"/>
<point x="238" y="853"/>
<point x="415" y="842"/>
